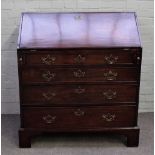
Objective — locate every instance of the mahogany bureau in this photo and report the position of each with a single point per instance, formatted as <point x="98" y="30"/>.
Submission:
<point x="79" y="72"/>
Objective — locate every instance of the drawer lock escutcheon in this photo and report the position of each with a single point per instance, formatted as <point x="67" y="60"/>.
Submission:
<point x="78" y="112"/>
<point x="79" y="74"/>
<point x="109" y="117"/>
<point x="48" y="60"/>
<point x="48" y="76"/>
<point x="109" y="94"/>
<point x="48" y="96"/>
<point x="79" y="59"/>
<point x="110" y="76"/>
<point x="49" y="119"/>
<point x="111" y="59"/>
<point x="79" y="90"/>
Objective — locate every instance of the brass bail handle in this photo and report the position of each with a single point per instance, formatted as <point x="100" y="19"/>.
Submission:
<point x="48" y="119"/>
<point x="109" y="94"/>
<point x="111" y="59"/>
<point x="109" y="117"/>
<point x="48" y="60"/>
<point x="49" y="95"/>
<point x="79" y="73"/>
<point x="110" y="75"/>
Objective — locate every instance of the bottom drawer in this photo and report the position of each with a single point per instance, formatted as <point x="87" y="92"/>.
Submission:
<point x="79" y="117"/>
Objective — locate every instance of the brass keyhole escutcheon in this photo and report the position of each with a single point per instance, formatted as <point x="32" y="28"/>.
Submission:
<point x="79" y="112"/>
<point x="48" y="76"/>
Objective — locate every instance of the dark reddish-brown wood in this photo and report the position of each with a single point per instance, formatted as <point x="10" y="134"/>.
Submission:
<point x="78" y="57"/>
<point x="79" y="72"/>
<point x="79" y="94"/>
<point x="79" y="117"/>
<point x="132" y="134"/>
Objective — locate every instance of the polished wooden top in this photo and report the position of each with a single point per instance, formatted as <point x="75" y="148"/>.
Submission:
<point x="78" y="30"/>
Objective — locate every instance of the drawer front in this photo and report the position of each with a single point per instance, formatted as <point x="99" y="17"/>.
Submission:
<point x="97" y="57"/>
<point x="49" y="75"/>
<point x="78" y="117"/>
<point x="79" y="94"/>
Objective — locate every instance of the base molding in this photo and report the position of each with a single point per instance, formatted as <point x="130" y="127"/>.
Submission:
<point x="131" y="134"/>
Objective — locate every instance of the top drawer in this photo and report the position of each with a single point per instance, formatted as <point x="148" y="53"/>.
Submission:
<point x="83" y="57"/>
